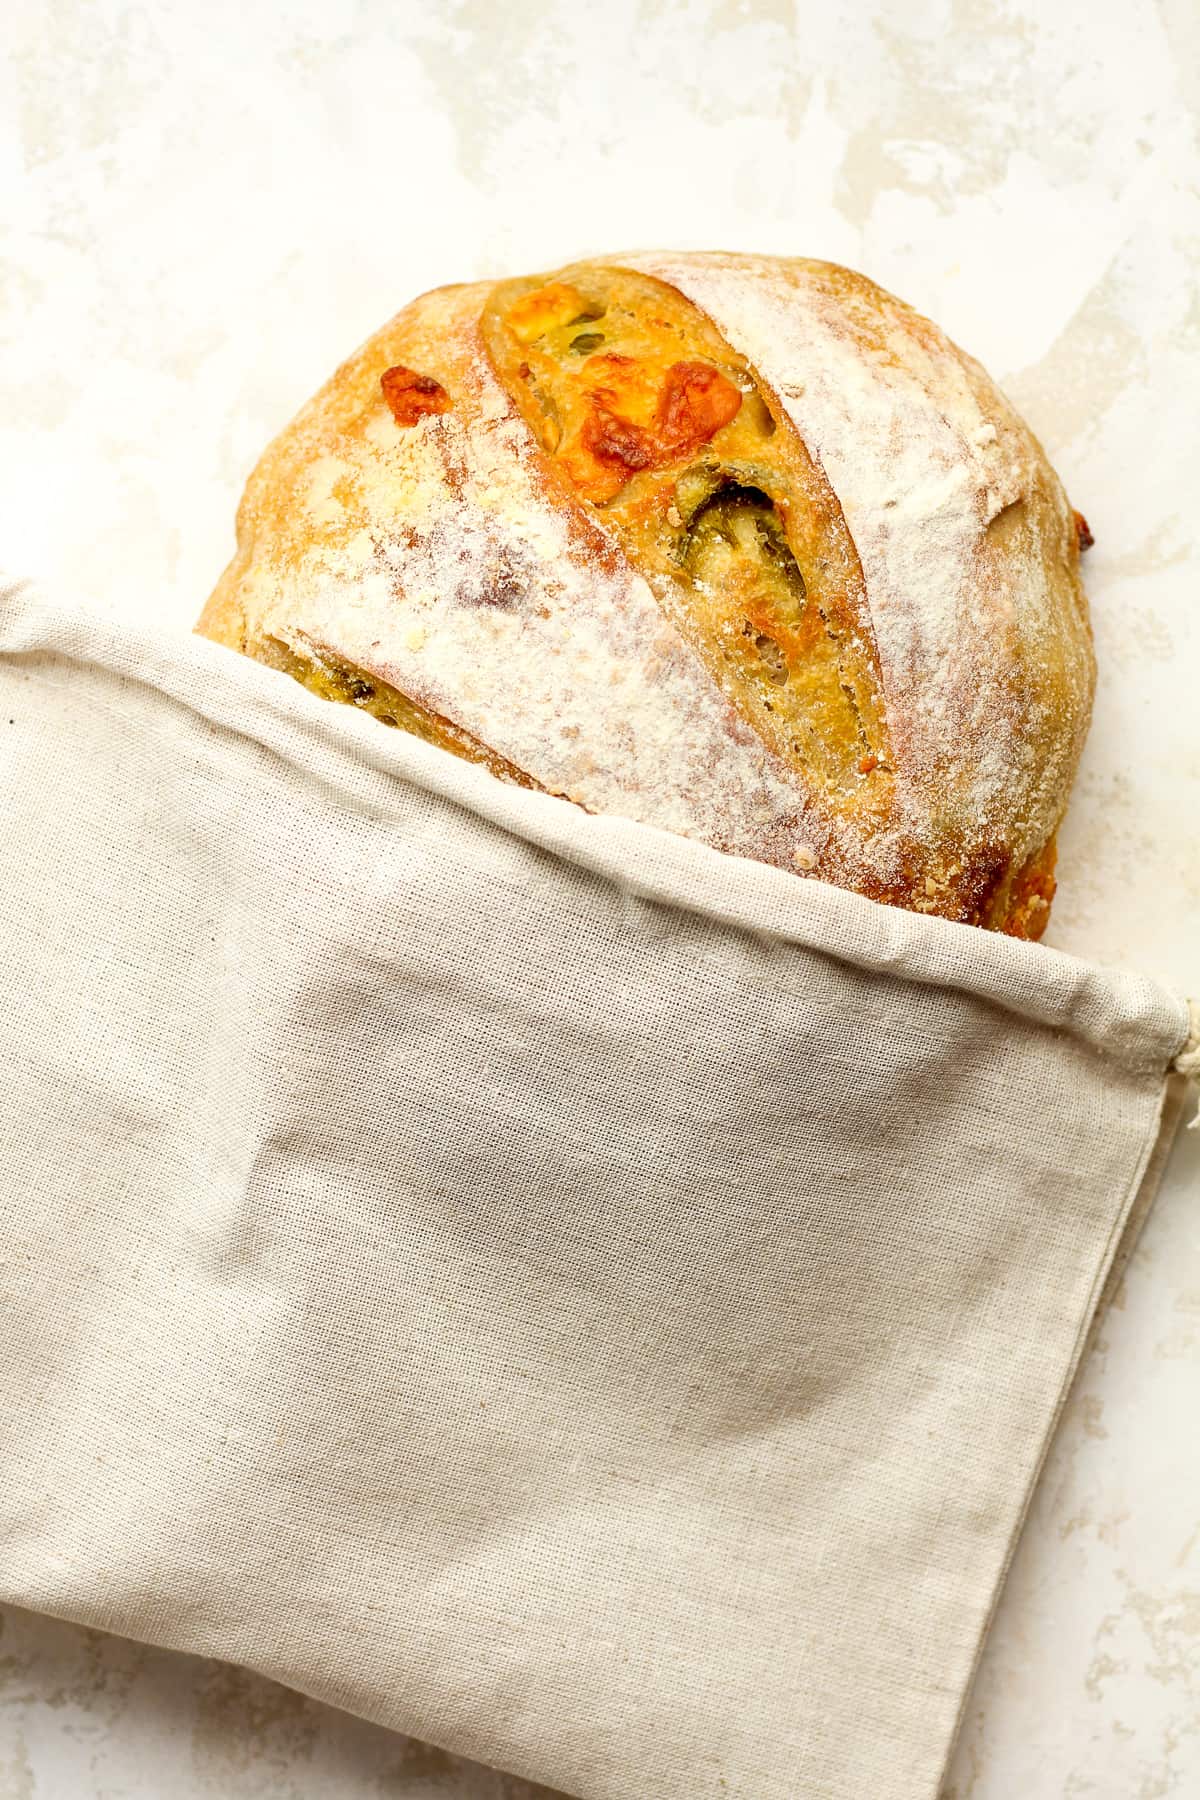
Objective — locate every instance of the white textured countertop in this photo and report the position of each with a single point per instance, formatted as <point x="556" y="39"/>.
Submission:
<point x="207" y="206"/>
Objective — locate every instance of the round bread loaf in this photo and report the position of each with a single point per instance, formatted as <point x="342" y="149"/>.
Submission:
<point x="742" y="547"/>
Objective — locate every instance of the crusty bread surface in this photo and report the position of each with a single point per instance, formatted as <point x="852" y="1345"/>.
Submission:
<point x="740" y="546"/>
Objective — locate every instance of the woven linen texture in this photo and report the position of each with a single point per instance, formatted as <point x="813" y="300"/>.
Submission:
<point x="589" y="1302"/>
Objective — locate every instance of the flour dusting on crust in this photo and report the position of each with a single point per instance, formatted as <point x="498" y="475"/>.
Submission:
<point x="447" y="559"/>
<point x="924" y="454"/>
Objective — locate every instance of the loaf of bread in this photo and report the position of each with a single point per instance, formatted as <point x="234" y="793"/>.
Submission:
<point x="742" y="547"/>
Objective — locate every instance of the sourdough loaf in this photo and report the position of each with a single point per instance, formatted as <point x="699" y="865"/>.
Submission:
<point x="739" y="546"/>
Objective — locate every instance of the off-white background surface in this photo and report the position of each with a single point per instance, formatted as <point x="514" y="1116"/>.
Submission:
<point x="205" y="206"/>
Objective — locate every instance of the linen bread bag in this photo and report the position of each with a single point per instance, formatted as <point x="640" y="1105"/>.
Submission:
<point x="587" y="1299"/>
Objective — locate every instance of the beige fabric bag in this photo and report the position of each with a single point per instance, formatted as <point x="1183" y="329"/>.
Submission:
<point x="586" y="1301"/>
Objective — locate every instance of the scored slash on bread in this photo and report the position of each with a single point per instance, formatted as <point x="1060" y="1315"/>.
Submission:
<point x="741" y="547"/>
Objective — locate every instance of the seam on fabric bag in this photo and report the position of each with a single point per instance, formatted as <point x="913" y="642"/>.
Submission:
<point x="1159" y="1136"/>
<point x="239" y="695"/>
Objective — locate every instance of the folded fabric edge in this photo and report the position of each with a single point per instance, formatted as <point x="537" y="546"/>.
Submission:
<point x="1128" y="1222"/>
<point x="1124" y="1016"/>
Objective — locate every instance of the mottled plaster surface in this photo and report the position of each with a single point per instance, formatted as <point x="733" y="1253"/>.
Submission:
<point x="206" y="206"/>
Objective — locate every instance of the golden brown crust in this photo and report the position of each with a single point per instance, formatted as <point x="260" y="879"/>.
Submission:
<point x="715" y="501"/>
<point x="1027" y="909"/>
<point x="743" y="547"/>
